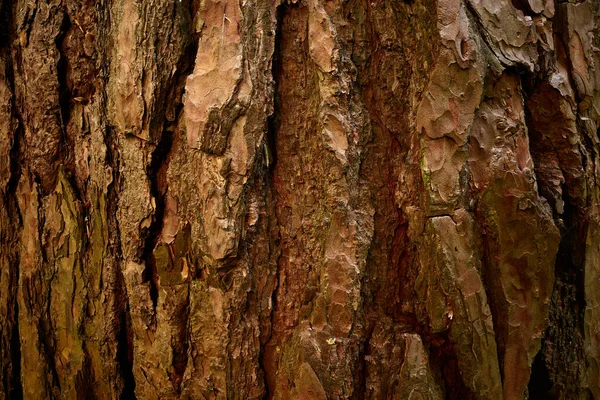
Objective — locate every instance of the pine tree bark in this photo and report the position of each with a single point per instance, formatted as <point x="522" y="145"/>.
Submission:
<point x="305" y="199"/>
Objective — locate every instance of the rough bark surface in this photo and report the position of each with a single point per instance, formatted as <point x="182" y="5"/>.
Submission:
<point x="308" y="199"/>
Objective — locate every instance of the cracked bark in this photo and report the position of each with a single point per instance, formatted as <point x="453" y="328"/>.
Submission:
<point x="302" y="199"/>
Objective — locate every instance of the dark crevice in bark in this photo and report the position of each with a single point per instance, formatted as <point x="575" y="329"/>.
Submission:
<point x="157" y="190"/>
<point x="266" y="224"/>
<point x="156" y="170"/>
<point x="12" y="375"/>
<point x="444" y="356"/>
<point x="524" y="6"/>
<point x="16" y="387"/>
<point x="14" y="384"/>
<point x="84" y="378"/>
<point x="272" y="230"/>
<point x="124" y="339"/>
<point x="490" y="247"/>
<point x="65" y="97"/>
<point x="186" y="65"/>
<point x="157" y="175"/>
<point x="64" y="94"/>
<point x="562" y="343"/>
<point x="269" y="151"/>
<point x="17" y="147"/>
<point x="518" y="4"/>
<point x="361" y="371"/>
<point x="273" y="124"/>
<point x="28" y="21"/>
<point x="557" y="368"/>
<point x="47" y="342"/>
<point x="5" y="23"/>
<point x="273" y="120"/>
<point x="41" y="217"/>
<point x="540" y="385"/>
<point x="15" y="174"/>
<point x="124" y="335"/>
<point x="180" y="346"/>
<point x="125" y="355"/>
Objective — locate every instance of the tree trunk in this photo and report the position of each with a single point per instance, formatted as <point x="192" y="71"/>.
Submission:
<point x="301" y="200"/>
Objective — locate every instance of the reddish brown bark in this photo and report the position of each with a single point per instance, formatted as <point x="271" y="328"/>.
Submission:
<point x="304" y="199"/>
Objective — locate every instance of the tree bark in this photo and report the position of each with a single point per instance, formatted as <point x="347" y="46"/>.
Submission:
<point x="305" y="199"/>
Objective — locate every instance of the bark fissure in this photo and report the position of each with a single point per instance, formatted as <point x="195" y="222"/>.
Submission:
<point x="181" y="343"/>
<point x="562" y="343"/>
<point x="157" y="190"/>
<point x="12" y="382"/>
<point x="16" y="388"/>
<point x="270" y="152"/>
<point x="64" y="95"/>
<point x="125" y="355"/>
<point x="124" y="336"/>
<point x="6" y="23"/>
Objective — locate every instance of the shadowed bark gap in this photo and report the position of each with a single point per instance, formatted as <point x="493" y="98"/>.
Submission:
<point x="16" y="388"/>
<point x="64" y="96"/>
<point x="11" y="374"/>
<point x="267" y="360"/>
<point x="540" y="385"/>
<point x="124" y="334"/>
<point x="557" y="369"/>
<point x="269" y="152"/>
<point x="5" y="23"/>
<point x="125" y="355"/>
<point x="156" y="172"/>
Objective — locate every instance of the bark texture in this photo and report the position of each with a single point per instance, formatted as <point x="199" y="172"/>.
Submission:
<point x="309" y="199"/>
